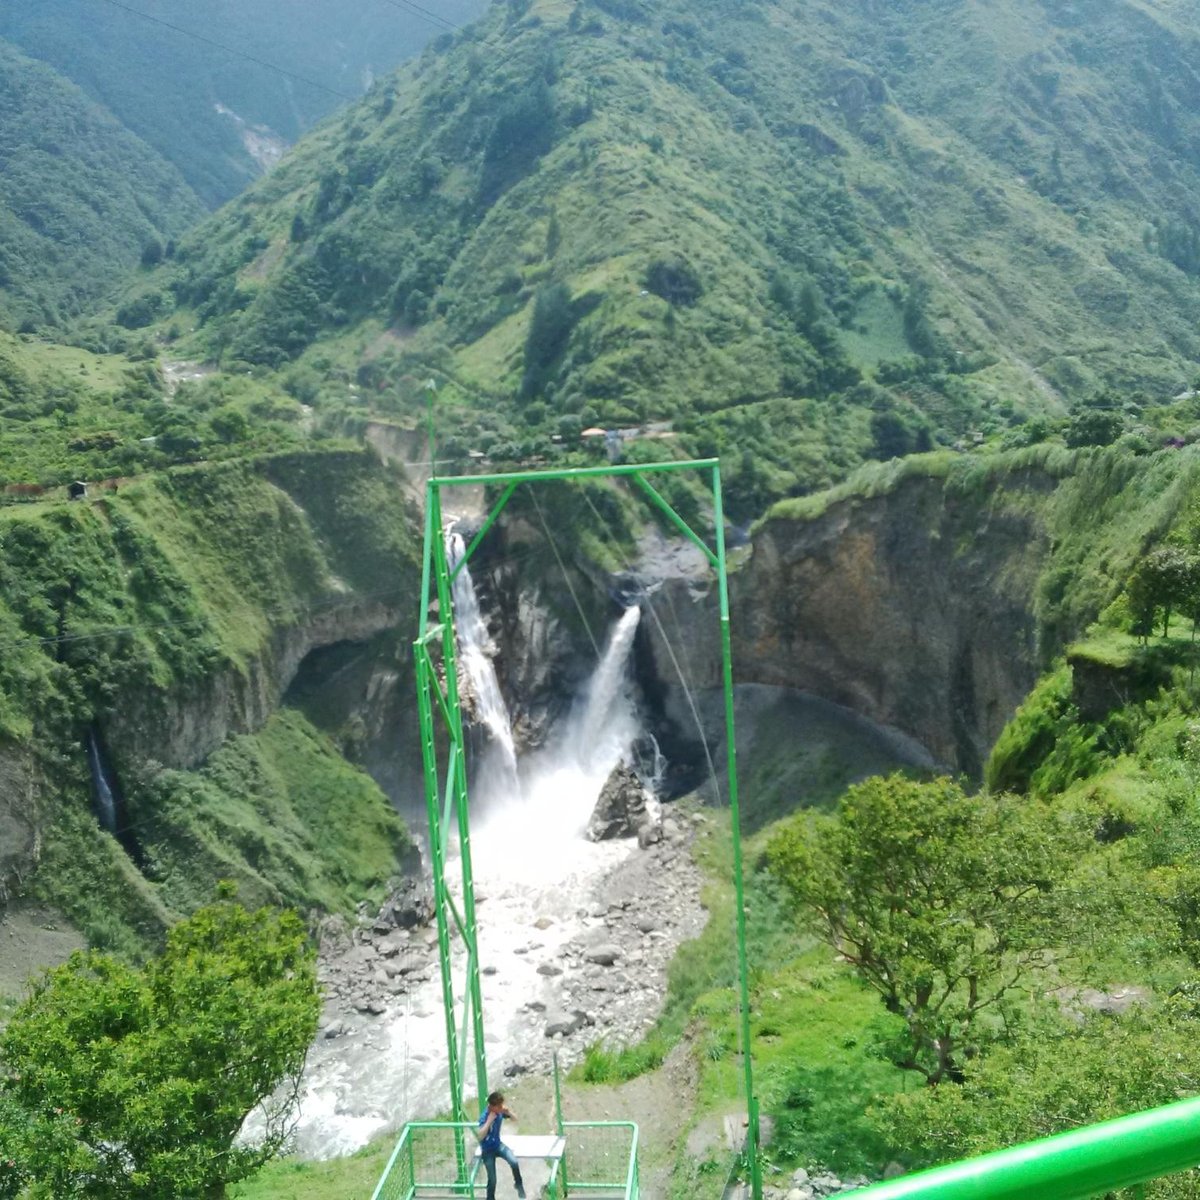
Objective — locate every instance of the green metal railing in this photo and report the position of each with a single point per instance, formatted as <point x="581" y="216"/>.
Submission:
<point x="601" y="1159"/>
<point x="437" y="1159"/>
<point x="1122" y="1153"/>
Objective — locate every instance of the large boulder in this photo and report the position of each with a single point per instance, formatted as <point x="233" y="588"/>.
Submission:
<point x="621" y="810"/>
<point x="409" y="906"/>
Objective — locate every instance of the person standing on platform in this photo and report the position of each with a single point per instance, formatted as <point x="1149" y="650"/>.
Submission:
<point x="492" y="1148"/>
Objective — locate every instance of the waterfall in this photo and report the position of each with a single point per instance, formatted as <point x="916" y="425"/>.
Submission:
<point x="530" y="836"/>
<point x="604" y="726"/>
<point x="475" y="651"/>
<point x="106" y="801"/>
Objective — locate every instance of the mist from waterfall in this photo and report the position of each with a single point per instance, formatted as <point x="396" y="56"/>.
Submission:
<point x="496" y="775"/>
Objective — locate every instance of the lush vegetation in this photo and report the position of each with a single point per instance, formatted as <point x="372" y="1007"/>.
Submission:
<point x="548" y="217"/>
<point x="80" y="197"/>
<point x="169" y="595"/>
<point x="127" y="1082"/>
<point x="945" y="904"/>
<point x="219" y="117"/>
<point x="72" y="414"/>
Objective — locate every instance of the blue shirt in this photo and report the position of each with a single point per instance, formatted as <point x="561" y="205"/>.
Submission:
<point x="490" y="1143"/>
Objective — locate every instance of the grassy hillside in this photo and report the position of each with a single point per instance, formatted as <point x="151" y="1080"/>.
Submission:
<point x="218" y="116"/>
<point x="805" y="235"/>
<point x="68" y="413"/>
<point x="80" y="196"/>
<point x="158" y="617"/>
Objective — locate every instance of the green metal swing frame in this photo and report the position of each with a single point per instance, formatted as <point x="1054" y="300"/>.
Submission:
<point x="446" y="792"/>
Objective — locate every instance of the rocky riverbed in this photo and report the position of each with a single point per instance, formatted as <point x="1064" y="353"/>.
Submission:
<point x="573" y="951"/>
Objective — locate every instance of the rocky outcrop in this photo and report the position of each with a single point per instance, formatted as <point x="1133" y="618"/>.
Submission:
<point x="181" y="727"/>
<point x="620" y="811"/>
<point x="915" y="609"/>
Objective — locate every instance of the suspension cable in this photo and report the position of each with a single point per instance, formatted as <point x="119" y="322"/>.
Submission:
<point x="566" y="578"/>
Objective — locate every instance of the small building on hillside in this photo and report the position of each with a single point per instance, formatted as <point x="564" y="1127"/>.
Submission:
<point x="77" y="490"/>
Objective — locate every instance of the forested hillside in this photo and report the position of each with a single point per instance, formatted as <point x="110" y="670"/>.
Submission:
<point x="218" y="116"/>
<point x="81" y="198"/>
<point x="812" y="235"/>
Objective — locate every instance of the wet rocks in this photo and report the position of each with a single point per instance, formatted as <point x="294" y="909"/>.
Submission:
<point x="563" y="1024"/>
<point x="621" y="809"/>
<point x="410" y="905"/>
<point x="804" y="1186"/>
<point x="604" y="955"/>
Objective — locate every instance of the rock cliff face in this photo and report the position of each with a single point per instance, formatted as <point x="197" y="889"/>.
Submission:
<point x="915" y="609"/>
<point x="181" y="727"/>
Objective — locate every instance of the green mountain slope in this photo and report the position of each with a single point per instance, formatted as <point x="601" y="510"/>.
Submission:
<point x="166" y="619"/>
<point x="80" y="197"/>
<point x="211" y="113"/>
<point x="816" y="233"/>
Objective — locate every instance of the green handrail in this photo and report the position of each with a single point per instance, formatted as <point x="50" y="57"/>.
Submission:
<point x="1077" y="1165"/>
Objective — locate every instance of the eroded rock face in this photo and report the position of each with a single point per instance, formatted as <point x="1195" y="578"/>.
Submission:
<point x="915" y="609"/>
<point x="180" y="727"/>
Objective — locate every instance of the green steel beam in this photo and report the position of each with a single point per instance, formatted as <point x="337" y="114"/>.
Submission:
<point x="752" y="1131"/>
<point x="474" y="989"/>
<point x="664" y="506"/>
<point x="427" y="560"/>
<point x="497" y="509"/>
<point x="574" y="472"/>
<point x="1077" y="1165"/>
<point x="437" y="865"/>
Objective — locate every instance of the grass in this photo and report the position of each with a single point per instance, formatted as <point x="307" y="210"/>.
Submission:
<point x="289" y="1179"/>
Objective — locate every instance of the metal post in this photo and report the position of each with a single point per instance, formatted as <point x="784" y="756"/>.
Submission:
<point x="457" y="784"/>
<point x="752" y="1132"/>
<point x="426" y="682"/>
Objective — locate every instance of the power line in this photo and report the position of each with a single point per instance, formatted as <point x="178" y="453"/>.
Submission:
<point x="230" y="50"/>
<point x="417" y="10"/>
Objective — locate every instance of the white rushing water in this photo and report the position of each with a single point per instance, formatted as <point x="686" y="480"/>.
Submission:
<point x="496" y="773"/>
<point x="106" y="803"/>
<point x="535" y="875"/>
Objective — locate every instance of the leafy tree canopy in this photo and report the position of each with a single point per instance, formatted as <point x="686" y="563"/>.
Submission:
<point x="1060" y="1073"/>
<point x="126" y="1082"/>
<point x="944" y="903"/>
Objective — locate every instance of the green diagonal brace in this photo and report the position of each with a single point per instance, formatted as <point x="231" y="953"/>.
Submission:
<point x="497" y="509"/>
<point x="675" y="519"/>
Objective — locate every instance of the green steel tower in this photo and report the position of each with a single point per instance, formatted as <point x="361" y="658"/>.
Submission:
<point x="443" y="749"/>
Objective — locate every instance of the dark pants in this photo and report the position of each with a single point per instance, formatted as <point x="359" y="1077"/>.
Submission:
<point x="489" y="1165"/>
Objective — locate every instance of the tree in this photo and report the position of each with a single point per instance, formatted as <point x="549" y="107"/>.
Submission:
<point x="943" y="903"/>
<point x="1057" y="1074"/>
<point x="549" y="329"/>
<point x="1094" y="427"/>
<point x="1165" y="581"/>
<point x="122" y="1082"/>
